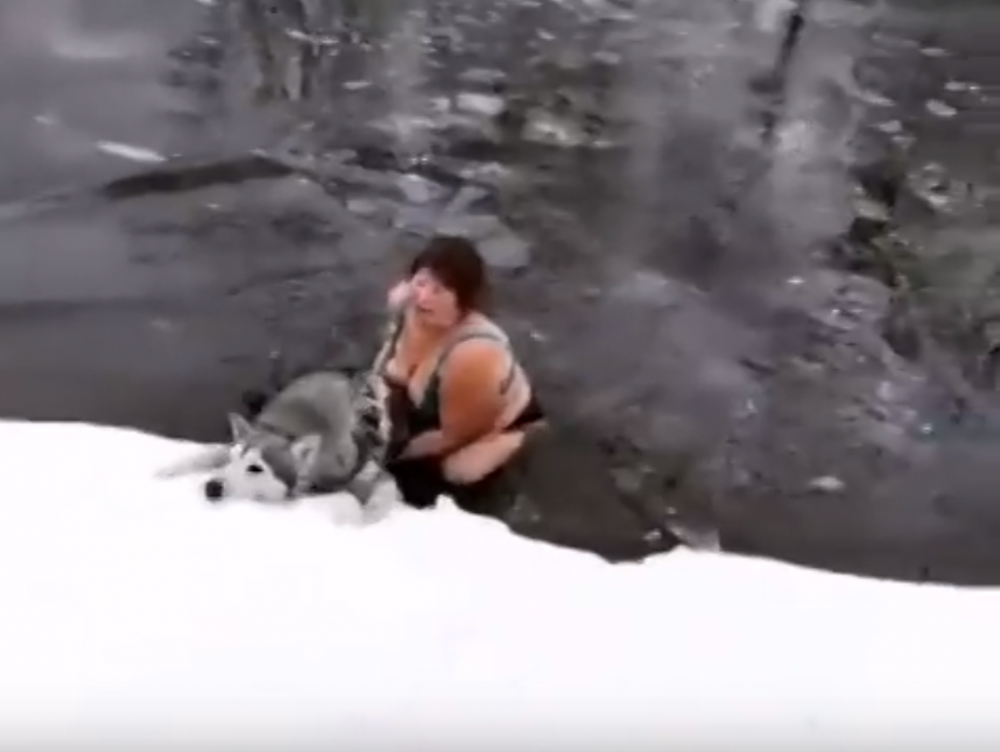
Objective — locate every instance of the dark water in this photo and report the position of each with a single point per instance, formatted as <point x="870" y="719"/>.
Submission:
<point x="743" y="245"/>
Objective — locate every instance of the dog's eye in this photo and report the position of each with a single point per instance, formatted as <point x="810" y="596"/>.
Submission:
<point x="255" y="469"/>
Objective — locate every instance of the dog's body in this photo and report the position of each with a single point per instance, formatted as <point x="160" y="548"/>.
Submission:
<point x="323" y="432"/>
<point x="312" y="437"/>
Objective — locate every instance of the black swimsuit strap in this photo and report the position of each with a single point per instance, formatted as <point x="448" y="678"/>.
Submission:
<point x="431" y="395"/>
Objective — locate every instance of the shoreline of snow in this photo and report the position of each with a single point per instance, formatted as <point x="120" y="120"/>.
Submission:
<point x="134" y="612"/>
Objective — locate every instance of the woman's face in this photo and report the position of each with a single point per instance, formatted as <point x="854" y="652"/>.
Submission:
<point x="434" y="304"/>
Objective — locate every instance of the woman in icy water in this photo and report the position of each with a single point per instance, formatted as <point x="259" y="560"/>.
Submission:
<point x="460" y="399"/>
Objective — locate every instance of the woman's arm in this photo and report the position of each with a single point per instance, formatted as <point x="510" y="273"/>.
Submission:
<point x="471" y="401"/>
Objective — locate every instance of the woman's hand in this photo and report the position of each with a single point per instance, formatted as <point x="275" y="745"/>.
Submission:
<point x="399" y="295"/>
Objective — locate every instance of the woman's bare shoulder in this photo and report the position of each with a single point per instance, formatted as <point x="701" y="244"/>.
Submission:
<point x="477" y="359"/>
<point x="486" y="323"/>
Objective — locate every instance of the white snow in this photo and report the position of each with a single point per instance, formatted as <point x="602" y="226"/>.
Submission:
<point x="133" y="614"/>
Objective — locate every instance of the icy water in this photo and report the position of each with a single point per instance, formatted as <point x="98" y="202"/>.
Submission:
<point x="680" y="202"/>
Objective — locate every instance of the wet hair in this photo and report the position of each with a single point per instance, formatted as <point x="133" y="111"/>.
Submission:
<point x="457" y="264"/>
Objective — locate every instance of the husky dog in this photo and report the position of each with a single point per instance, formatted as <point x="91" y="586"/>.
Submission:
<point x="323" y="432"/>
<point x="310" y="438"/>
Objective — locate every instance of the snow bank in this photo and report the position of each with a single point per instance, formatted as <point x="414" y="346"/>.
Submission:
<point x="134" y="612"/>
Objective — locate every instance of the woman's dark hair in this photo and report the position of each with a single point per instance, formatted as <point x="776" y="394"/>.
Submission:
<point x="458" y="265"/>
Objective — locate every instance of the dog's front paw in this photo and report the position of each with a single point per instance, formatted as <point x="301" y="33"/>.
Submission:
<point x="164" y="473"/>
<point x="173" y="470"/>
<point x="380" y="502"/>
<point x="204" y="459"/>
<point x="347" y="512"/>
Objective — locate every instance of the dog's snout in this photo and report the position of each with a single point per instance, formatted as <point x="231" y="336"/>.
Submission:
<point x="214" y="489"/>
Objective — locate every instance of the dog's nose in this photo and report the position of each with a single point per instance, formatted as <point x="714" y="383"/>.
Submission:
<point x="213" y="489"/>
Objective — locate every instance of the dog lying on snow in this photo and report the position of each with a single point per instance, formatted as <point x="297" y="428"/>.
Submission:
<point x="320" y="434"/>
<point x="323" y="433"/>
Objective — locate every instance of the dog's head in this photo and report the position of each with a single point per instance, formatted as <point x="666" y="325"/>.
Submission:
<point x="261" y="466"/>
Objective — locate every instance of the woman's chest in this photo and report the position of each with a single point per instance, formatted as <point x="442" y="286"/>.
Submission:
<point x="415" y="361"/>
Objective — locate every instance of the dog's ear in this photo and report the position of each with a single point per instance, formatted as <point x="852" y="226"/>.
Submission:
<point x="239" y="428"/>
<point x="305" y="451"/>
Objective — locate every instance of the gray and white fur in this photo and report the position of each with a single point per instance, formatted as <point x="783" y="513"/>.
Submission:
<point x="308" y="439"/>
<point x="322" y="433"/>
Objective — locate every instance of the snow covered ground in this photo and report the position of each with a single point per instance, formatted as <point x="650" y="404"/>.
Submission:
<point x="132" y="612"/>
